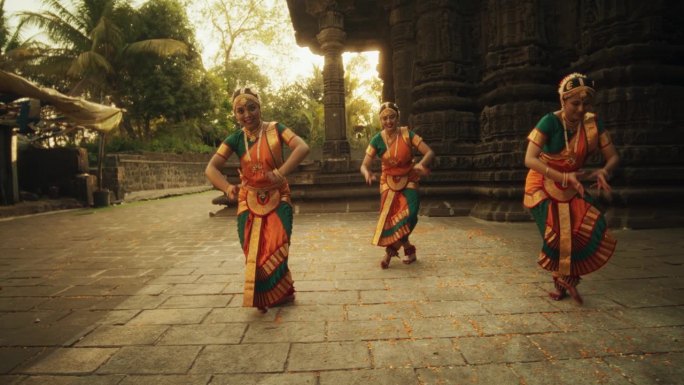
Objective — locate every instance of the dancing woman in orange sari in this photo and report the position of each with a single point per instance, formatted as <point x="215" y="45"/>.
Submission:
<point x="576" y="239"/>
<point x="399" y="202"/>
<point x="264" y="209"/>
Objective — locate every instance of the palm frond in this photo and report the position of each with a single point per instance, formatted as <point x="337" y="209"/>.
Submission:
<point x="159" y="47"/>
<point x="93" y="11"/>
<point x="65" y="14"/>
<point x="87" y="63"/>
<point x="57" y="29"/>
<point x="106" y="37"/>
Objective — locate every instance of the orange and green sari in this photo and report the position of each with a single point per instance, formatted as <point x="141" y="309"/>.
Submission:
<point x="264" y="215"/>
<point x="399" y="201"/>
<point x="576" y="239"/>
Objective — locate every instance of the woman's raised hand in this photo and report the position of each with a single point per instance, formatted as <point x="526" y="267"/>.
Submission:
<point x="601" y="176"/>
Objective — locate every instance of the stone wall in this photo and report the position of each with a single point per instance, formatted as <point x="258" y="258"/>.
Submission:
<point x="128" y="173"/>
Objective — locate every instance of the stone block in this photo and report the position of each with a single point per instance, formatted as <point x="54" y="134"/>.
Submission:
<point x="151" y="360"/>
<point x="329" y="356"/>
<point x="299" y="331"/>
<point x="265" y="379"/>
<point x="204" y="334"/>
<point x="123" y="335"/>
<point x="416" y="353"/>
<point x="468" y="375"/>
<point x="170" y="316"/>
<point x="244" y="358"/>
<point x="68" y="360"/>
<point x="369" y="376"/>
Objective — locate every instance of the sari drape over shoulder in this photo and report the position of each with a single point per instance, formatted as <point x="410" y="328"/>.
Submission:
<point x="399" y="202"/>
<point x="264" y="215"/>
<point x="576" y="239"/>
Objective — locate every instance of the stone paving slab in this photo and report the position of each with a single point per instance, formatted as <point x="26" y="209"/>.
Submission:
<point x="68" y="361"/>
<point x="151" y="293"/>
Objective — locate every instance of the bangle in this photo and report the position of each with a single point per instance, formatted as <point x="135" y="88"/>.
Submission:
<point x="277" y="173"/>
<point x="565" y="180"/>
<point x="546" y="172"/>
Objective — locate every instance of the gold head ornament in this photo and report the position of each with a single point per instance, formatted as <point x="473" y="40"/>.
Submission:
<point x="576" y="82"/>
<point x="389" y="105"/>
<point x="245" y="94"/>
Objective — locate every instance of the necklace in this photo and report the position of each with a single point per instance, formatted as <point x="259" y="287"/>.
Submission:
<point x="571" y="154"/>
<point x="255" y="167"/>
<point x="393" y="160"/>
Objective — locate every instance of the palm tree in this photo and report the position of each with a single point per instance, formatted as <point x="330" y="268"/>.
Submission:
<point x="91" y="46"/>
<point x="13" y="52"/>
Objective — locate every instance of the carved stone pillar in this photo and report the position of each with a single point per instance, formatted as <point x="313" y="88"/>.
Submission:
<point x="331" y="38"/>
<point x="639" y="94"/>
<point x="518" y="88"/>
<point x="442" y="110"/>
<point x="402" y="40"/>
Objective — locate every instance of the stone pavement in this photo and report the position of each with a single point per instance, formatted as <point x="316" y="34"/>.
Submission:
<point x="150" y="293"/>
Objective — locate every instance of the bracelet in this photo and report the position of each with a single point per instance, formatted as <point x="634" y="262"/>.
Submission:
<point x="546" y="172"/>
<point x="565" y="180"/>
<point x="277" y="173"/>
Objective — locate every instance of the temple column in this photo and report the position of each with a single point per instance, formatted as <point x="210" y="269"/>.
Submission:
<point x="403" y="53"/>
<point x="442" y="91"/>
<point x="629" y="49"/>
<point x="518" y="87"/>
<point x="331" y="38"/>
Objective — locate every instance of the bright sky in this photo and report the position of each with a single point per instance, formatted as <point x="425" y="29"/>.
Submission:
<point x="297" y="64"/>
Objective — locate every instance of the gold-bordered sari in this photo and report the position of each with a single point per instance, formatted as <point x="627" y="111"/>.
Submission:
<point x="264" y="217"/>
<point x="399" y="202"/>
<point x="576" y="239"/>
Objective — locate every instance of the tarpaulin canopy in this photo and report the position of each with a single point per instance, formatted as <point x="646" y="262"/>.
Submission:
<point x="87" y="114"/>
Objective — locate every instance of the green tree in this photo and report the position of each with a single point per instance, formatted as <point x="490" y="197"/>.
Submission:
<point x="360" y="97"/>
<point x="4" y="32"/>
<point x="13" y="52"/>
<point x="91" y="46"/>
<point x="162" y="93"/>
<point x="312" y="90"/>
<point x="242" y="22"/>
<point x="243" y="72"/>
<point x="288" y="106"/>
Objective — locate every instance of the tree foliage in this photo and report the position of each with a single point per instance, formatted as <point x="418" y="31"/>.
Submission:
<point x="13" y="51"/>
<point x="163" y="92"/>
<point x="361" y="95"/>
<point x="90" y="46"/>
<point x="241" y="23"/>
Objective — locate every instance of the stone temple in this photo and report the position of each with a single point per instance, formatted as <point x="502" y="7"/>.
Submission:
<point x="473" y="78"/>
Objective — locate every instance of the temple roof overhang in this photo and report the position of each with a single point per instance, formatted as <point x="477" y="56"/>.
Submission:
<point x="365" y="22"/>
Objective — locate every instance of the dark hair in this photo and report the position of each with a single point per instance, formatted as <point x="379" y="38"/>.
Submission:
<point x="390" y="105"/>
